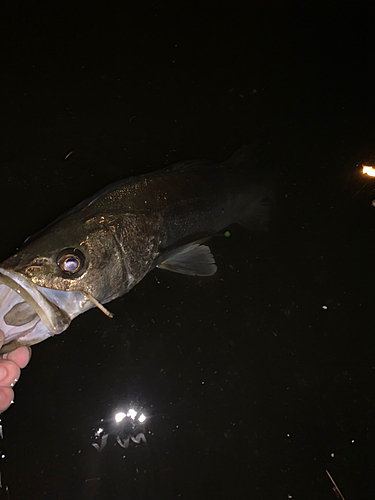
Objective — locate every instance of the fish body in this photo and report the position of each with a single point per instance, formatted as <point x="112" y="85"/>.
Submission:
<point x="104" y="246"/>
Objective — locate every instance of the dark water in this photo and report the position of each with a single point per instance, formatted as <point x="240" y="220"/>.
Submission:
<point x="253" y="382"/>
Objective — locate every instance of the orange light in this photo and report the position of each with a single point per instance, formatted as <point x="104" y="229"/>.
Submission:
<point x="368" y="170"/>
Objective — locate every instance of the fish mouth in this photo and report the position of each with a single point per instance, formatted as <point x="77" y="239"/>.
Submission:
<point x="30" y="314"/>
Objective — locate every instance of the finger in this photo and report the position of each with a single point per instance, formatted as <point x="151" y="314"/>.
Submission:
<point x="21" y="356"/>
<point x="6" y="398"/>
<point x="10" y="372"/>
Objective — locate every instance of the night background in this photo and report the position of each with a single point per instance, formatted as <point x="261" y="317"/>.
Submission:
<point x="255" y="381"/>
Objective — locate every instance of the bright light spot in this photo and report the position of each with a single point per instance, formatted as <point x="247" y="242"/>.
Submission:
<point x="120" y="416"/>
<point x="142" y="418"/>
<point x="324" y="307"/>
<point x="132" y="414"/>
<point x="368" y="170"/>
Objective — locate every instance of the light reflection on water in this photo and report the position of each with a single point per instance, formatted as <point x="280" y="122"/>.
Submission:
<point x="127" y="425"/>
<point x="4" y="490"/>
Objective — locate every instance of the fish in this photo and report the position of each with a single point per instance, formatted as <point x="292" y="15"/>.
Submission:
<point x="103" y="247"/>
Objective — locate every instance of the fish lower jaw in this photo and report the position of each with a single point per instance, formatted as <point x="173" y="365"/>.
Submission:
<point x="27" y="337"/>
<point x="27" y="315"/>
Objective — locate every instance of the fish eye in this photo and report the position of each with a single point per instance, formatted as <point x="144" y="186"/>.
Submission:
<point x="71" y="261"/>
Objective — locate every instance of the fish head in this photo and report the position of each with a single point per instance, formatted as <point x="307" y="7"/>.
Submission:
<point x="73" y="265"/>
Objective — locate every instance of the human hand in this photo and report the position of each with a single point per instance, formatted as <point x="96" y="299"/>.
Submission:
<point x="10" y="371"/>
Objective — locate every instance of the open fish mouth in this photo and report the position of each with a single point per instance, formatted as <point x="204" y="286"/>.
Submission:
<point x="30" y="314"/>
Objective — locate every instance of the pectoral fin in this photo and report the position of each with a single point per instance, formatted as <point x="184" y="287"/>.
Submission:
<point x="258" y="217"/>
<point x="193" y="259"/>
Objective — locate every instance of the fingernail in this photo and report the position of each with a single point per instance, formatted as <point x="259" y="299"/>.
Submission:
<point x="3" y="373"/>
